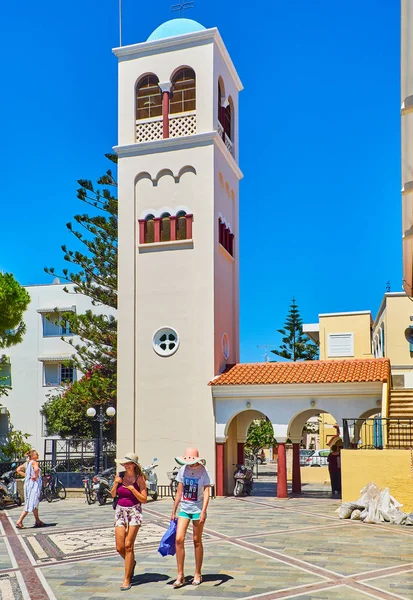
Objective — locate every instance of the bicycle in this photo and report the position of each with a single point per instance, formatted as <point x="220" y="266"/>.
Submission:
<point x="173" y="486"/>
<point x="52" y="487"/>
<point x="87" y="480"/>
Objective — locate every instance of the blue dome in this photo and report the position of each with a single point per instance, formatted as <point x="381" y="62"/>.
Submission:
<point x="175" y="27"/>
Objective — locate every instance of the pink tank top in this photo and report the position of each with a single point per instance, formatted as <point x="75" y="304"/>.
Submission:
<point x="126" y="497"/>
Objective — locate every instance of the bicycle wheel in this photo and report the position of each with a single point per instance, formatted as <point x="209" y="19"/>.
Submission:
<point x="48" y="494"/>
<point x="174" y="487"/>
<point x="90" y="496"/>
<point x="60" y="490"/>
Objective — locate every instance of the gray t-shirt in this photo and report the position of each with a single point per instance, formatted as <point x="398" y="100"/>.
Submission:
<point x="194" y="481"/>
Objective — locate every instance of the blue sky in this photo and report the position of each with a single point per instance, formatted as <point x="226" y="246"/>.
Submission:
<point x="319" y="133"/>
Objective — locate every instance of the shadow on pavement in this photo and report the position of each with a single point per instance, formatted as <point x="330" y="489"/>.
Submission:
<point x="221" y="578"/>
<point x="149" y="578"/>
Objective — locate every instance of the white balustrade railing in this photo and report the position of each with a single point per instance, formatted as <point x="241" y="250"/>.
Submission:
<point x="182" y="124"/>
<point x="148" y="130"/>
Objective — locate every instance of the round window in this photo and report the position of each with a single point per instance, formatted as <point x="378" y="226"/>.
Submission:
<point x="225" y="345"/>
<point x="165" y="341"/>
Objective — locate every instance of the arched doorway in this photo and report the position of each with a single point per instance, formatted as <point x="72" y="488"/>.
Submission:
<point x="236" y="432"/>
<point x="312" y="433"/>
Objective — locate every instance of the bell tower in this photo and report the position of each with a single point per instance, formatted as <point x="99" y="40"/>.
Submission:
<point x="178" y="180"/>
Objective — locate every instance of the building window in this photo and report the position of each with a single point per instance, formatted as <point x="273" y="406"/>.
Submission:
<point x="165" y="227"/>
<point x="4" y="424"/>
<point x="5" y="375"/>
<point x="149" y="229"/>
<point x="225" y="346"/>
<point x="165" y="341"/>
<point x="225" y="237"/>
<point x="228" y="122"/>
<point x="53" y="326"/>
<point x="183" y="97"/>
<point x="148" y="98"/>
<point x="221" y="118"/>
<point x="383" y="349"/>
<point x="340" y="344"/>
<point x="181" y="227"/>
<point x="57" y="373"/>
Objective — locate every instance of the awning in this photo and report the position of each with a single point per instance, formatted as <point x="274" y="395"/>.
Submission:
<point x="57" y="309"/>
<point x="56" y="358"/>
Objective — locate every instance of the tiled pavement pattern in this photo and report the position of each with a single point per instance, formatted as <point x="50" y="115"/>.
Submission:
<point x="256" y="548"/>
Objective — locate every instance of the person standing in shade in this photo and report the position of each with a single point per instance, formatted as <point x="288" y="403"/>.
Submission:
<point x="130" y="488"/>
<point x="32" y="488"/>
<point x="194" y="485"/>
<point x="334" y="469"/>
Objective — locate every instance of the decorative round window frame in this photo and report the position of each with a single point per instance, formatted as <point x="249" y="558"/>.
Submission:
<point x="165" y="336"/>
<point x="226" y="346"/>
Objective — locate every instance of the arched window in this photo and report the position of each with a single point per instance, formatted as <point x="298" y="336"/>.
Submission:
<point x="165" y="227"/>
<point x="148" y="97"/>
<point x="181" y="225"/>
<point x="220" y="103"/>
<point x="228" y="121"/>
<point x="149" y="229"/>
<point x="183" y="97"/>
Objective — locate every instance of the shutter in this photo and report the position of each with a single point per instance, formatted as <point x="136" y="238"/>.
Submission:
<point x="181" y="229"/>
<point x="51" y="374"/>
<point x="340" y="344"/>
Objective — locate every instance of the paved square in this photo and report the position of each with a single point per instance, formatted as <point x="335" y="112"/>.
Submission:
<point x="255" y="548"/>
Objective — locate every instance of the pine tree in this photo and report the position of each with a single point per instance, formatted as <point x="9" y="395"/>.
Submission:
<point x="94" y="274"/>
<point x="294" y="345"/>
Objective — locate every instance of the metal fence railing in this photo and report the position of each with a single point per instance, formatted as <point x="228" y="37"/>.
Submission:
<point x="378" y="433"/>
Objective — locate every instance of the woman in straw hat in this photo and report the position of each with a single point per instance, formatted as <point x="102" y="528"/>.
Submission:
<point x="194" y="483"/>
<point x="130" y="488"/>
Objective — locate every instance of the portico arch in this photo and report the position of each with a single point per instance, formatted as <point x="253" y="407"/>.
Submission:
<point x="235" y="434"/>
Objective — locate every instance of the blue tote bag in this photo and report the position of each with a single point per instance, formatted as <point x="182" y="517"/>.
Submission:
<point x="167" y="545"/>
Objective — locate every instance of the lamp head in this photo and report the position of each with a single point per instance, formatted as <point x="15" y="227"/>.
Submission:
<point x="110" y="411"/>
<point x="91" y="412"/>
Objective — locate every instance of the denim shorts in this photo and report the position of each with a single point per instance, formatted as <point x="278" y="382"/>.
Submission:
<point x="191" y="517"/>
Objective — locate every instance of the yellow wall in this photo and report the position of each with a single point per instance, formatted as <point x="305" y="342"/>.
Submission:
<point x="358" y="324"/>
<point x="326" y="429"/>
<point x="315" y="475"/>
<point x="386" y="468"/>
<point x="396" y="317"/>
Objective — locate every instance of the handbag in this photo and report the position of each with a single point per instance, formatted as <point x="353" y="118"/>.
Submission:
<point x="167" y="545"/>
<point x="115" y="502"/>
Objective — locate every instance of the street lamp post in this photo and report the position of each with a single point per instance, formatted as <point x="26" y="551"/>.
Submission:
<point x="100" y="418"/>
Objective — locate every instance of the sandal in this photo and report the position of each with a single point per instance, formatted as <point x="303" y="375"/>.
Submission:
<point x="197" y="581"/>
<point x="125" y="588"/>
<point x="179" y="583"/>
<point x="40" y="524"/>
<point x="20" y="526"/>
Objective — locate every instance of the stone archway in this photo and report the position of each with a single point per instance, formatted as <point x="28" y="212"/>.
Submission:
<point x="295" y="435"/>
<point x="235" y="437"/>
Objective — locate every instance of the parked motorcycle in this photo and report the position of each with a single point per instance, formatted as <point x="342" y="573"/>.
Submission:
<point x="102" y="484"/>
<point x="244" y="480"/>
<point x="151" y="480"/>
<point x="8" y="488"/>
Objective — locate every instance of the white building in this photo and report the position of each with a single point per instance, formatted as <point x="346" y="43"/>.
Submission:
<point x="36" y="366"/>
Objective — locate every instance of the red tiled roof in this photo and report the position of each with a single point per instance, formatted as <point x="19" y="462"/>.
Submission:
<point x="314" y="371"/>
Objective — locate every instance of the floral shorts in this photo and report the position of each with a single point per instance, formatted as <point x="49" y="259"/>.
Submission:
<point x="128" y="516"/>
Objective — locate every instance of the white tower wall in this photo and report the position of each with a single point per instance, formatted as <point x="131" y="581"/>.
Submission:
<point x="165" y="403"/>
